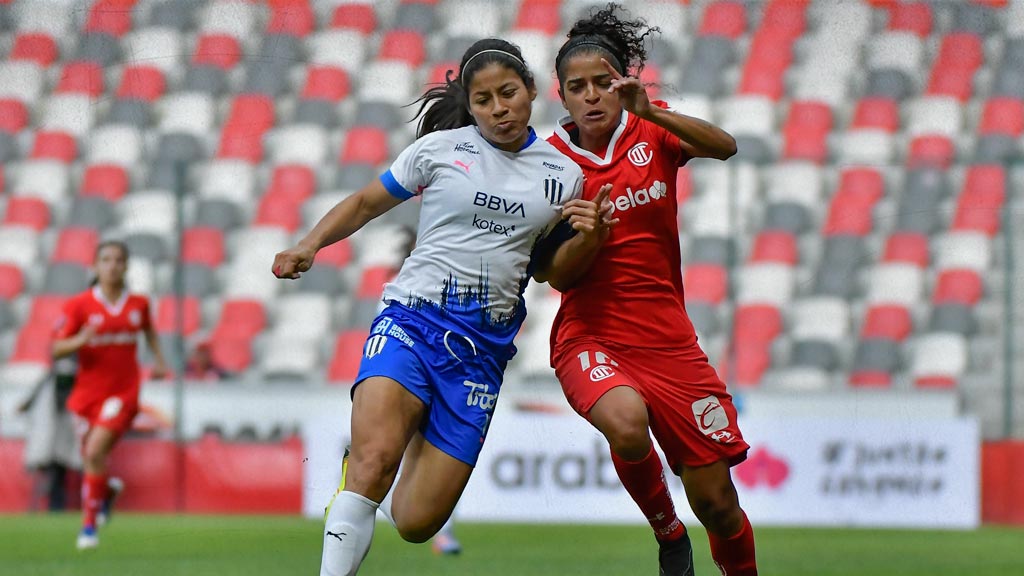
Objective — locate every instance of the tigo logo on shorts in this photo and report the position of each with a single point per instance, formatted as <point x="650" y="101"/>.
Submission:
<point x="710" y="415"/>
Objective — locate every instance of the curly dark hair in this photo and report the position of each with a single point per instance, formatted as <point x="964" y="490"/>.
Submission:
<point x="608" y="30"/>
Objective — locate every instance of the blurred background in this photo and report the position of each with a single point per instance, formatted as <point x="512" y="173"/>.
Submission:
<point x="852" y="272"/>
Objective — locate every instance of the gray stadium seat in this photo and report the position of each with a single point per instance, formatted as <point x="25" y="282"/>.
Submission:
<point x="7" y="318"/>
<point x="65" y="278"/>
<point x="711" y="250"/>
<point x="415" y="16"/>
<point x="995" y="149"/>
<point x="816" y="354"/>
<point x="1009" y="81"/>
<point x="281" y="50"/>
<point x="381" y="114"/>
<point x="699" y="80"/>
<point x="8" y="147"/>
<point x="974" y="18"/>
<point x="889" y="83"/>
<point x="714" y="52"/>
<point x="199" y="280"/>
<point x="919" y="211"/>
<point x="952" y="317"/>
<point x="217" y="213"/>
<point x="320" y="112"/>
<point x="164" y="175"/>
<point x="1013" y="53"/>
<point x="364" y="310"/>
<point x="178" y="14"/>
<point x="146" y="245"/>
<point x="178" y="147"/>
<point x="753" y="149"/>
<point x="322" y="280"/>
<point x="928" y="178"/>
<point x="789" y="216"/>
<point x="266" y="77"/>
<point x="355" y="176"/>
<point x="877" y="355"/>
<point x="130" y="111"/>
<point x="204" y="78"/>
<point x="98" y="47"/>
<point x="91" y="212"/>
<point x="6" y="19"/>
<point x="663" y="53"/>
<point x="168" y="345"/>
<point x="837" y="270"/>
<point x="704" y="318"/>
<point x="455" y="47"/>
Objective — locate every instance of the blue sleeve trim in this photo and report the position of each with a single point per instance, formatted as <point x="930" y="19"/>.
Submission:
<point x="393" y="187"/>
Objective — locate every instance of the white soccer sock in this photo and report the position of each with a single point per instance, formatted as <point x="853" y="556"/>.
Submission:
<point x="385" y="504"/>
<point x="348" y="532"/>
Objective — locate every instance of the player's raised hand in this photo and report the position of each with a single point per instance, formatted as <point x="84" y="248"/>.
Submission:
<point x="632" y="92"/>
<point x="591" y="217"/>
<point x="293" y="262"/>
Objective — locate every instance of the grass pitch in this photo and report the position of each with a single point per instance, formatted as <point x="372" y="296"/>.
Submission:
<point x="255" y="546"/>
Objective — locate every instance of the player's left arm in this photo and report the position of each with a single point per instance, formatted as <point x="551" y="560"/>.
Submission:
<point x="569" y="251"/>
<point x="698" y="138"/>
<point x="159" y="362"/>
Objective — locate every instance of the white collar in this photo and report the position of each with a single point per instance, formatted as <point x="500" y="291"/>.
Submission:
<point x="112" y="308"/>
<point x="608" y="154"/>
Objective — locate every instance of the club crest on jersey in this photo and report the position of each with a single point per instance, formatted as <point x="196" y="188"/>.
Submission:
<point x="553" y="189"/>
<point x="96" y="319"/>
<point x="639" y="155"/>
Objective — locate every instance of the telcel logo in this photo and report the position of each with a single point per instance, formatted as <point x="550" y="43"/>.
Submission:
<point x="632" y="199"/>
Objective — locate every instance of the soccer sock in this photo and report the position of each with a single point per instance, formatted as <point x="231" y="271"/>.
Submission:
<point x="645" y="482"/>
<point x="735" y="555"/>
<point x="347" y="534"/>
<point x="385" y="504"/>
<point x="94" y="492"/>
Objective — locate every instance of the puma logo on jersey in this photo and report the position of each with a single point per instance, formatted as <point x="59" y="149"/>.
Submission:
<point x="463" y="165"/>
<point x="632" y="199"/>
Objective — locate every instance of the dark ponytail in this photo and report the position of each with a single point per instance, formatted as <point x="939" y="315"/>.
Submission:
<point x="614" y="37"/>
<point x="446" y="106"/>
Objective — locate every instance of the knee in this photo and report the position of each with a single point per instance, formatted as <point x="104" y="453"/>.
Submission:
<point x="627" y="433"/>
<point x="719" y="511"/>
<point x="417" y="531"/>
<point x="371" y="467"/>
<point x="92" y="459"/>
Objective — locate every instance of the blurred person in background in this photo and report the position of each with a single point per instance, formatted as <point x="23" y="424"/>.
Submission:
<point x="201" y="366"/>
<point x="623" y="347"/>
<point x="51" y="448"/>
<point x="101" y="326"/>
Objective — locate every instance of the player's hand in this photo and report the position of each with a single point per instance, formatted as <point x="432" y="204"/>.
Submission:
<point x="592" y="218"/>
<point x="632" y="92"/>
<point x="86" y="333"/>
<point x="293" y="262"/>
<point x="159" y="370"/>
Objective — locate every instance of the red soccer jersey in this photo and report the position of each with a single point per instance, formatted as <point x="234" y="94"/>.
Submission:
<point x="633" y="293"/>
<point x="107" y="364"/>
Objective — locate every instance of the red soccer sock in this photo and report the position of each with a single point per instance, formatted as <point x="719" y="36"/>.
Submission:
<point x="735" y="555"/>
<point x="94" y="492"/>
<point x="645" y="482"/>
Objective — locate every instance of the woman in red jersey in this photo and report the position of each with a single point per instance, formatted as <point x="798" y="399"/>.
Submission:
<point x="101" y="326"/>
<point x="623" y="347"/>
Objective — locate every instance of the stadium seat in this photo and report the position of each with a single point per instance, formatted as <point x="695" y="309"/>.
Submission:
<point x="203" y="245"/>
<point x="843" y="255"/>
<point x="874" y="362"/>
<point x="158" y="47"/>
<point x="115" y="144"/>
<point x="956" y="83"/>
<point x="915" y="17"/>
<point x="304" y="147"/>
<point x="90" y="212"/>
<point x="53" y="145"/>
<point x="105" y="181"/>
<point x="960" y="51"/>
<point x="538" y="15"/>
<point x="953" y="317"/>
<point x="112" y="17"/>
<point x="962" y="286"/>
<point x="31" y="212"/>
<point x="887" y="321"/>
<point x="358" y="17"/>
<point x="407" y="46"/>
<point x="345" y="49"/>
<point x="365" y="144"/>
<point x="76" y="246"/>
<point x="278" y="210"/>
<point x="231" y="354"/>
<point x="724" y="18"/>
<point x="895" y="283"/>
<point x="151" y="211"/>
<point x="38" y="48"/>
<point x="866" y="147"/>
<point x="130" y="111"/>
<point x="907" y="247"/>
<point x="775" y="246"/>
<point x="704" y="317"/>
<point x="810" y="114"/>
<point x="305" y="317"/>
<point x="823" y="318"/>
<point x="938" y="151"/>
<point x="81" y="78"/>
<point x="756" y="323"/>
<point x="142" y="82"/>
<point x="940" y="359"/>
<point x="289" y="359"/>
<point x="13" y="115"/>
<point x="476" y="18"/>
<point x="12" y="281"/>
<point x="876" y="113"/>
<point x="371" y="282"/>
<point x="747" y="115"/>
<point x="970" y="250"/>
<point x="166" y="320"/>
<point x="1002" y="116"/>
<point x="705" y="283"/>
<point x="934" y="115"/>
<point x="230" y="180"/>
<point x="44" y="179"/>
<point x="33" y="345"/>
<point x="291" y="18"/>
<point x="45" y="311"/>
<point x="231" y="18"/>
<point x="218" y="50"/>
<point x="980" y="204"/>
<point x="187" y="112"/>
<point x="798" y="182"/>
<point x="348" y="349"/>
<point x="338" y="254"/>
<point x="805" y="143"/>
<point x="326" y="83"/>
<point x="240" y="319"/>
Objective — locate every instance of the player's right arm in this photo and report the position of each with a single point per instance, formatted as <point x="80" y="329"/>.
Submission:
<point x="342" y="221"/>
<point x="72" y="332"/>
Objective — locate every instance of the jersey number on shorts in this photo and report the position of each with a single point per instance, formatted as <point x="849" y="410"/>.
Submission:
<point x="111" y="408"/>
<point x="602" y="370"/>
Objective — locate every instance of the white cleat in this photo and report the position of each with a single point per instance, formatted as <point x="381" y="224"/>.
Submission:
<point x="87" y="539"/>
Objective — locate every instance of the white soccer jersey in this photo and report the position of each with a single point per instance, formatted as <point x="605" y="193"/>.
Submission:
<point x="483" y="212"/>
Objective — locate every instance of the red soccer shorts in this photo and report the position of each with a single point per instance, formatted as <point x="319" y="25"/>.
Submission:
<point x="113" y="412"/>
<point x="691" y="414"/>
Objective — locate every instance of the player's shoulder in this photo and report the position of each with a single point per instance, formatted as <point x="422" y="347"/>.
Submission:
<point x="83" y="298"/>
<point x="138" y="300"/>
<point x="552" y="158"/>
<point x="465" y="139"/>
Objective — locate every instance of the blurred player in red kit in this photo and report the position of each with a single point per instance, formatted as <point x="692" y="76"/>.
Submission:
<point x="101" y="326"/>
<point x="623" y="346"/>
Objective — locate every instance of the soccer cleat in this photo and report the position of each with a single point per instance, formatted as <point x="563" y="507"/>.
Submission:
<point x="675" y="557"/>
<point x="87" y="539"/>
<point x="445" y="543"/>
<point x="341" y="485"/>
<point x="114" y="488"/>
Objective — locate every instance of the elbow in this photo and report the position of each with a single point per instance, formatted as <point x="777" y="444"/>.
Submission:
<point x="728" y="148"/>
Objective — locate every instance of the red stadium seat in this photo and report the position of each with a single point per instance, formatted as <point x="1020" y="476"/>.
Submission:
<point x="1002" y="115"/>
<point x="81" y="78"/>
<point x="805" y="143"/>
<point x="931" y="151"/>
<point x="203" y="245"/>
<point x="142" y="83"/>
<point x="106" y="181"/>
<point x="326" y="83"/>
<point x="355" y="17"/>
<point x="76" y="246"/>
<point x="958" y="286"/>
<point x="240" y="319"/>
<point x="935" y="382"/>
<point x="908" y="247"/>
<point x="371" y="283"/>
<point x="166" y="321"/>
<point x="338" y="254"/>
<point x="771" y="49"/>
<point x="863" y="186"/>
<point x="33" y="345"/>
<point x="870" y="379"/>
<point x="775" y="246"/>
<point x="295" y="17"/>
<point x="890" y="322"/>
<point x="705" y="283"/>
<point x="12" y="281"/>
<point x="365" y="144"/>
<point x="112" y="17"/>
<point x="961" y="51"/>
<point x="749" y="361"/>
<point x="279" y="211"/>
<point x="13" y="115"/>
<point x="54" y="146"/>
<point x="348" y="349"/>
<point x="231" y="354"/>
<point x="756" y="323"/>
<point x="979" y="206"/>
<point x="36" y="47"/>
<point x="913" y="17"/>
<point x="293" y="181"/>
<point x="651" y="76"/>
<point x="437" y="72"/>
<point x="785" y="15"/>
<point x="877" y="112"/>
<point x="45" y="311"/>
<point x="218" y="50"/>
<point x="252" y="113"/>
<point x="762" y="81"/>
<point x="684" y="185"/>
<point x="951" y="82"/>
<point x="726" y="18"/>
<point x="241" y="145"/>
<point x="28" y="211"/>
<point x="810" y="114"/>
<point x="539" y="15"/>
<point x="405" y="46"/>
<point x="848" y="215"/>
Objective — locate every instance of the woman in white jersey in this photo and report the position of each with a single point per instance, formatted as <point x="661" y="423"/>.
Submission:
<point x="433" y="363"/>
